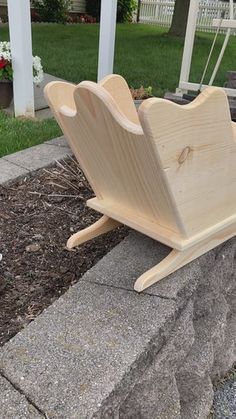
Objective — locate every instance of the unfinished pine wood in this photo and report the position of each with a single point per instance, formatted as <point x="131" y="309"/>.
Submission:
<point x="196" y="149"/>
<point x="177" y="259"/>
<point x="170" y="173"/>
<point x="155" y="231"/>
<point x="102" y="226"/>
<point x="119" y="90"/>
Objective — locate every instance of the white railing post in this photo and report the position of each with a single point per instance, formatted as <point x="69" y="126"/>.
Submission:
<point x="157" y="11"/>
<point x="21" y="48"/>
<point x="189" y="41"/>
<point x="107" y="38"/>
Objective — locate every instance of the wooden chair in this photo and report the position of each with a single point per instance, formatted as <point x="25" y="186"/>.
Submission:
<point x="168" y="171"/>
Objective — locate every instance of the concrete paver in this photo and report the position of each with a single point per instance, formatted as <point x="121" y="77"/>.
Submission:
<point x="13" y="404"/>
<point x="39" y="156"/>
<point x="75" y="354"/>
<point x="10" y="171"/>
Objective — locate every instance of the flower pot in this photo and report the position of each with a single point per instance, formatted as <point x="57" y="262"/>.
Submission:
<point x="6" y="93"/>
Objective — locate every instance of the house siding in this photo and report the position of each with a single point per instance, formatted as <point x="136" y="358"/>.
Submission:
<point x="77" y="6"/>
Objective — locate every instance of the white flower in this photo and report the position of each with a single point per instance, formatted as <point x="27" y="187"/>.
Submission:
<point x="5" y="53"/>
<point x="38" y="70"/>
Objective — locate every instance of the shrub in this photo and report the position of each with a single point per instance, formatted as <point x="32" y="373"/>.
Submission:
<point x="52" y="10"/>
<point x="125" y="9"/>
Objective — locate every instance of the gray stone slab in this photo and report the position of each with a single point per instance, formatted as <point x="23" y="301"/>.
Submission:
<point x="156" y="394"/>
<point x="60" y="142"/>
<point x="135" y="255"/>
<point x="10" y="171"/>
<point x="39" y="99"/>
<point x="14" y="404"/>
<point x="39" y="156"/>
<point x="42" y="114"/>
<point x="82" y="347"/>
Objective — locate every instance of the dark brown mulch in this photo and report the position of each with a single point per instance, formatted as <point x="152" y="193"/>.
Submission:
<point x="37" y="215"/>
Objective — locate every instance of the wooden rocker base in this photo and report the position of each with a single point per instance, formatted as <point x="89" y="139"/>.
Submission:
<point x="175" y="260"/>
<point x="102" y="226"/>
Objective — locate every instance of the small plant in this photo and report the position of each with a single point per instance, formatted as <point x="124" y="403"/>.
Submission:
<point x="141" y="93"/>
<point x="6" y="71"/>
<point x="56" y="11"/>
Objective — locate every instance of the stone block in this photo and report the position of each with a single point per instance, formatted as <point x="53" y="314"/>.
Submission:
<point x="153" y="393"/>
<point x="104" y="351"/>
<point x="39" y="156"/>
<point x="10" y="171"/>
<point x="154" y="398"/>
<point x="225" y="355"/>
<point x="200" y="406"/>
<point x="13" y="404"/>
<point x="132" y="257"/>
<point x="86" y="344"/>
<point x="60" y="142"/>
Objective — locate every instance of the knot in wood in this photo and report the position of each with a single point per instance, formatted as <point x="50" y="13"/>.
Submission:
<point x="183" y="156"/>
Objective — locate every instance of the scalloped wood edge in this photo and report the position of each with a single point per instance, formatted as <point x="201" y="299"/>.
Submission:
<point x="168" y="171"/>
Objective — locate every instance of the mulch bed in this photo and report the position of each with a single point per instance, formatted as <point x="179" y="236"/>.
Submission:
<point x="37" y="216"/>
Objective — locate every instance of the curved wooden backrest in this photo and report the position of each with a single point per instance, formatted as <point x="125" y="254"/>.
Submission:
<point x="197" y="151"/>
<point x="119" y="90"/>
<point x="118" y="160"/>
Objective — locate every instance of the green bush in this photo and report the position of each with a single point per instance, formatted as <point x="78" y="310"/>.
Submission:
<point x="125" y="9"/>
<point x="52" y="10"/>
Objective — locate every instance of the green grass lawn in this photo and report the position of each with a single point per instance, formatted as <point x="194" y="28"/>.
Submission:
<point x="17" y="134"/>
<point x="145" y="55"/>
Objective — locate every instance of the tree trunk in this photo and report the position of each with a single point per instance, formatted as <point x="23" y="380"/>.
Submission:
<point x="180" y="18"/>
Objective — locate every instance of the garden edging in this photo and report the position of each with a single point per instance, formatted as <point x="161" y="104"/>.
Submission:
<point x="104" y="351"/>
<point x="27" y="161"/>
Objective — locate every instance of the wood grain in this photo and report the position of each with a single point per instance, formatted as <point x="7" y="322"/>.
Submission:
<point x="102" y="226"/>
<point x="168" y="171"/>
<point x="202" y="182"/>
<point x="177" y="259"/>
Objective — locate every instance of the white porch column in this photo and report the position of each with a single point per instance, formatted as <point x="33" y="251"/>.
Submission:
<point x="107" y="37"/>
<point x="21" y="48"/>
<point x="189" y="41"/>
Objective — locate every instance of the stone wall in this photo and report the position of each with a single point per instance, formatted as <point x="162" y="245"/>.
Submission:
<point x="103" y="351"/>
<point x="175" y="380"/>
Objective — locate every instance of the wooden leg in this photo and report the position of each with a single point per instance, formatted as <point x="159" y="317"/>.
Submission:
<point x="102" y="226"/>
<point x="171" y="263"/>
<point x="176" y="259"/>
